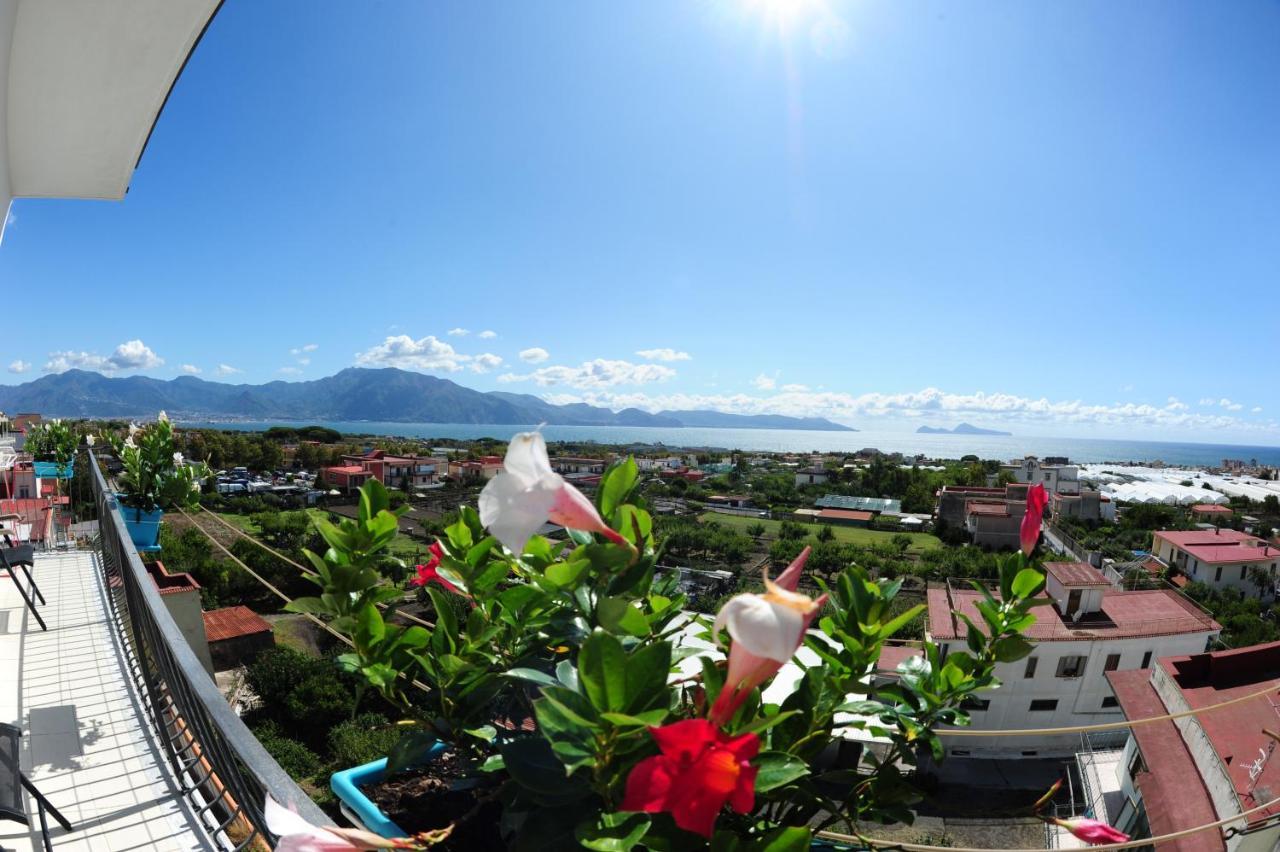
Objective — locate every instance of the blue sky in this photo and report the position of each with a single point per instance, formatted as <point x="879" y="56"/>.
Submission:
<point x="1057" y="217"/>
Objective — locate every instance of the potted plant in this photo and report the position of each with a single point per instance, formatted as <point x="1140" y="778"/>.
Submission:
<point x="640" y="735"/>
<point x="53" y="446"/>
<point x="155" y="477"/>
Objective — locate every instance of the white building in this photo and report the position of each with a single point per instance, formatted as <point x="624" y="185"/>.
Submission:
<point x="812" y="476"/>
<point x="1179" y="774"/>
<point x="1090" y="630"/>
<point x="1057" y="478"/>
<point x="1221" y="558"/>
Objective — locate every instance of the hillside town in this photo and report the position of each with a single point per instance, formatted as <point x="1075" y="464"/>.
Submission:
<point x="1163" y="594"/>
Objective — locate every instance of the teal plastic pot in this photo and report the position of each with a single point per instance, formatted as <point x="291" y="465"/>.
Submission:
<point x="347" y="783"/>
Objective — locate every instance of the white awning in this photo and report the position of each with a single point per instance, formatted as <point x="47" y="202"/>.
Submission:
<point x="83" y="82"/>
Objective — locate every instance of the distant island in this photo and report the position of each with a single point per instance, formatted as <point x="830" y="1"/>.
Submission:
<point x="962" y="429"/>
<point x="386" y="394"/>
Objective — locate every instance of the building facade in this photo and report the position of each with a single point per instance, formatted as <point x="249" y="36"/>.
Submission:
<point x="1220" y="558"/>
<point x="1091" y="629"/>
<point x="1057" y="478"/>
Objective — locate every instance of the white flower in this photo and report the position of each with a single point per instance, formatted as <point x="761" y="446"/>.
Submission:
<point x="298" y="835"/>
<point x="133" y="429"/>
<point x="771" y="625"/>
<point x="128" y="442"/>
<point x="89" y="439"/>
<point x="528" y="493"/>
<point x="162" y="417"/>
<point x="177" y="459"/>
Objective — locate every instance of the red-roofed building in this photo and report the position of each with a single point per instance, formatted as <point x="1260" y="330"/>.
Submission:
<point x="181" y="596"/>
<point x="1090" y="630"/>
<point x="486" y="467"/>
<point x="347" y="477"/>
<point x="1194" y="770"/>
<point x="990" y="516"/>
<point x="237" y="635"/>
<point x="1211" y="513"/>
<point x="845" y="517"/>
<point x="1221" y="558"/>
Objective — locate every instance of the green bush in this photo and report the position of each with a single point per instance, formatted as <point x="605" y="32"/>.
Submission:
<point x="294" y="757"/>
<point x="276" y="674"/>
<point x="365" y="738"/>
<point x="321" y="701"/>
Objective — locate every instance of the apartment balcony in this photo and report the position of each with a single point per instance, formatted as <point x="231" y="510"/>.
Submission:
<point x="123" y="730"/>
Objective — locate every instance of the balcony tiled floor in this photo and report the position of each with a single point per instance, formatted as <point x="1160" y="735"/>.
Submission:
<point x="85" y="744"/>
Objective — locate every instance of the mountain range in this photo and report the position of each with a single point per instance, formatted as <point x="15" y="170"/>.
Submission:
<point x="961" y="429"/>
<point x="386" y="394"/>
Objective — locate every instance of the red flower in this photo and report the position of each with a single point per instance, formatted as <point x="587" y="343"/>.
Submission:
<point x="428" y="573"/>
<point x="1037" y="499"/>
<point x="700" y="769"/>
<point x="1091" y="830"/>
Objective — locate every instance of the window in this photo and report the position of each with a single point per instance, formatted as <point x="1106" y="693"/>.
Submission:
<point x="1146" y="661"/>
<point x="1242" y="570"/>
<point x="1044" y="705"/>
<point x="1072" y="666"/>
<point x="1217" y="575"/>
<point x="1031" y="667"/>
<point x="1137" y="764"/>
<point x="1109" y="702"/>
<point x="972" y="703"/>
<point x="1030" y="753"/>
<point x="1113" y="663"/>
<point x="1073" y="601"/>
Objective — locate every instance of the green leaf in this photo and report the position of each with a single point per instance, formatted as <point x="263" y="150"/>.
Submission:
<point x="314" y="606"/>
<point x="1010" y="649"/>
<point x="409" y="749"/>
<point x="647" y="673"/>
<point x="566" y="573"/>
<point x="791" y="838"/>
<point x="618" y="832"/>
<point x="647" y="718"/>
<point x="617" y="615"/>
<point x="777" y="768"/>
<point x="1028" y="583"/>
<point x="602" y="668"/>
<point x="531" y="675"/>
<point x="616" y="484"/>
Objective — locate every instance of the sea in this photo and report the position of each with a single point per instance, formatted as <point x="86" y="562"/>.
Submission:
<point x="803" y="440"/>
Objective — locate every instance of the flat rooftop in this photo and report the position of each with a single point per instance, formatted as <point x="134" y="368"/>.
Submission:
<point x="1076" y="575"/>
<point x="85" y="745"/>
<point x="1218" y="546"/>
<point x="1124" y="615"/>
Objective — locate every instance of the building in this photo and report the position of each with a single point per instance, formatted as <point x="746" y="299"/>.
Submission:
<point x="472" y="470"/>
<point x="1211" y="513"/>
<point x="181" y="596"/>
<point x="1182" y="773"/>
<point x="1058" y="477"/>
<point x="236" y="636"/>
<point x="844" y="517"/>
<point x="990" y="517"/>
<point x="812" y="476"/>
<point x="577" y="464"/>
<point x="1090" y="630"/>
<point x="403" y="472"/>
<point x="879" y="505"/>
<point x="347" y="477"/>
<point x="729" y="501"/>
<point x="1221" y="558"/>
<point x="1082" y="505"/>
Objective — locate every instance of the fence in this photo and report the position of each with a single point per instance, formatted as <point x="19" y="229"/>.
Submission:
<point x="219" y="765"/>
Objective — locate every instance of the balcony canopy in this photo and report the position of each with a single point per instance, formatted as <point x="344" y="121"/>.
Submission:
<point x="82" y="83"/>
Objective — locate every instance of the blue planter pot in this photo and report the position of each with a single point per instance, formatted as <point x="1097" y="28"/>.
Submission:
<point x="143" y="526"/>
<point x="347" y="784"/>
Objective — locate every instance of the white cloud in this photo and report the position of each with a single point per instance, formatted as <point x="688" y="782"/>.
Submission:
<point x="226" y="370"/>
<point x="487" y="334"/>
<point x="458" y="332"/>
<point x="1229" y="405"/>
<point x="19" y="366"/>
<point x="299" y="350"/>
<point x="764" y="382"/>
<point x="600" y="373"/>
<point x="305" y="362"/>
<point x="130" y="355"/>
<point x="534" y="355"/>
<point x="1207" y="400"/>
<point x="1176" y="404"/>
<point x="795" y="388"/>
<point x="1257" y="409"/>
<point x="427" y="353"/>
<point x="935" y="403"/>
<point x="290" y="371"/>
<point x="664" y="355"/>
<point x="189" y="369"/>
<point x="486" y="363"/>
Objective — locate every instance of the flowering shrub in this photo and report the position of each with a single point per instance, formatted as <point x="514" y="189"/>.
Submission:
<point x="52" y="441"/>
<point x="155" y="475"/>
<point x="644" y="738"/>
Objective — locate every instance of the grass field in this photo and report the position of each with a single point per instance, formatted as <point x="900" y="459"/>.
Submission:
<point x="848" y="535"/>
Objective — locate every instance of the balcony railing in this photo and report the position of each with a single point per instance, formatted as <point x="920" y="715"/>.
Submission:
<point x="220" y="767"/>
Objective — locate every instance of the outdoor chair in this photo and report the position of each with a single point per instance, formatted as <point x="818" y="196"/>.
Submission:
<point x="13" y="782"/>
<point x="22" y="557"/>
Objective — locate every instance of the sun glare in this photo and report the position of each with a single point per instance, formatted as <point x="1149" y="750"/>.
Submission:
<point x="782" y="15"/>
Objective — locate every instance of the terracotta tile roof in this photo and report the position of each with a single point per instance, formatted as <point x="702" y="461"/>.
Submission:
<point x="171" y="584"/>
<point x="1075" y="574"/>
<point x="1124" y="615"/>
<point x="1172" y="788"/>
<point x="975" y="508"/>
<point x="233" y="621"/>
<point x="1210" y="508"/>
<point x="1220" y="546"/>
